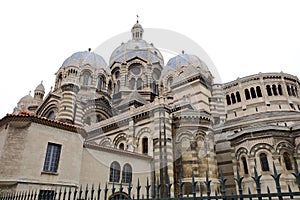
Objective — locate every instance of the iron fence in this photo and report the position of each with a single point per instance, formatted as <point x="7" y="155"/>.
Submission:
<point x="120" y="192"/>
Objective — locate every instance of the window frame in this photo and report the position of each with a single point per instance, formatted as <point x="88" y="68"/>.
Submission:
<point x="52" y="157"/>
<point x="114" y="172"/>
<point x="127" y="173"/>
<point x="264" y="162"/>
<point x="145" y="146"/>
<point x="287" y="161"/>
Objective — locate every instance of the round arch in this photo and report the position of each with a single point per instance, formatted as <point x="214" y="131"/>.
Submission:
<point x="261" y="146"/>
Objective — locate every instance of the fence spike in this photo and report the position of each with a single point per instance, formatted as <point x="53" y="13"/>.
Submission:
<point x="129" y="188"/>
<point x="80" y="192"/>
<point x="138" y="188"/>
<point x="25" y="195"/>
<point x="222" y="181"/>
<point x="75" y="193"/>
<point x="35" y="194"/>
<point x="86" y="191"/>
<point x="193" y="185"/>
<point x="257" y="178"/>
<point x="120" y="191"/>
<point x="65" y="193"/>
<point x="180" y="187"/>
<point x="98" y="192"/>
<point x="276" y="178"/>
<point x="92" y="192"/>
<point x="147" y="188"/>
<point x="207" y="183"/>
<point x="70" y="193"/>
<point x="239" y="180"/>
<point x="105" y="191"/>
<point x="158" y="189"/>
<point x="113" y="191"/>
<point x="296" y="173"/>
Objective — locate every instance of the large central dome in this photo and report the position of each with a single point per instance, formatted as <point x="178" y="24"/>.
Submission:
<point x="136" y="47"/>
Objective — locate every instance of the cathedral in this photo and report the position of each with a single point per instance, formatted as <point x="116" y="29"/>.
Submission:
<point x="139" y="119"/>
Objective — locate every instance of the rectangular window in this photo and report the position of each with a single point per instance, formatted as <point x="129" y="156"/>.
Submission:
<point x="52" y="157"/>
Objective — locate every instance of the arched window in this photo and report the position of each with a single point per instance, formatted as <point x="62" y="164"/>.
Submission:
<point x="293" y="91"/>
<point x="117" y="74"/>
<point x="132" y="83"/>
<point x="274" y="89"/>
<point x="228" y="99"/>
<point x="139" y="84"/>
<point x="238" y="97"/>
<point x="287" y="161"/>
<point x="289" y="90"/>
<point x="170" y="82"/>
<point x="118" y="86"/>
<point x="247" y="94"/>
<point x="253" y="94"/>
<point x="156" y="89"/>
<point x="279" y="90"/>
<point x="99" y="118"/>
<point x="114" y="175"/>
<point x="233" y="98"/>
<point x="51" y="115"/>
<point x="269" y="90"/>
<point x="245" y="166"/>
<point x="127" y="174"/>
<point x="109" y="87"/>
<point x="86" y="77"/>
<point x="264" y="162"/>
<point x="100" y="82"/>
<point x="145" y="145"/>
<point x="258" y="91"/>
<point x="115" y="88"/>
<point x="59" y="80"/>
<point x="121" y="146"/>
<point x="87" y="121"/>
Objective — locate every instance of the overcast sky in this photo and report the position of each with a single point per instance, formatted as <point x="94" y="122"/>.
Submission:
<point x="240" y="37"/>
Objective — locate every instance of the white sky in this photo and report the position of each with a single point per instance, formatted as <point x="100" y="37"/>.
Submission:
<point x="241" y="37"/>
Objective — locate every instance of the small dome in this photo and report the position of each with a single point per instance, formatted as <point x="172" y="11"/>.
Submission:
<point x="186" y="60"/>
<point x="27" y="99"/>
<point x="137" y="25"/>
<point x="83" y="58"/>
<point x="136" y="48"/>
<point x="40" y="87"/>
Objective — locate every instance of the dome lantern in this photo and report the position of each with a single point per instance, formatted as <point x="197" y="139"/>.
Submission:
<point x="137" y="31"/>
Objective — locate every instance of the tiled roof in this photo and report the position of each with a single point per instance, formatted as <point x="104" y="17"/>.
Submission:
<point x="25" y="115"/>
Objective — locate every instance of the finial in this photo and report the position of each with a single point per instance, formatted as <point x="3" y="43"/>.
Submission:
<point x="89" y="49"/>
<point x="137" y="18"/>
<point x="29" y="92"/>
<point x="41" y="81"/>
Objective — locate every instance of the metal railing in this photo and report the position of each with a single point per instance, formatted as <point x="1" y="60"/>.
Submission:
<point x="121" y="192"/>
